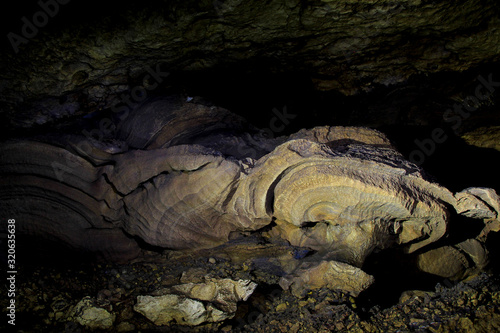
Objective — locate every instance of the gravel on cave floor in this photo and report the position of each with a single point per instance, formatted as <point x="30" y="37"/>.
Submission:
<point x="45" y="295"/>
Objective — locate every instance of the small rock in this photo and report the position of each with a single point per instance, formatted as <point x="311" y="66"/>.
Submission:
<point x="193" y="275"/>
<point x="224" y="292"/>
<point x="333" y="275"/>
<point x="125" y="327"/>
<point x="212" y="260"/>
<point x="86" y="314"/>
<point x="445" y="261"/>
<point x="281" y="307"/>
<point x="161" y="310"/>
<point x="182" y="303"/>
<point x="409" y="294"/>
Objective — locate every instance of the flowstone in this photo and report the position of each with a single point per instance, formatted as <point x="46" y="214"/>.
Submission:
<point x="195" y="177"/>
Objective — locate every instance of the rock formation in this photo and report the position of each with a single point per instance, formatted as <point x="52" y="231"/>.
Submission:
<point x="125" y="139"/>
<point x="191" y="184"/>
<point x="484" y="137"/>
<point x="195" y="303"/>
<point x="87" y="314"/>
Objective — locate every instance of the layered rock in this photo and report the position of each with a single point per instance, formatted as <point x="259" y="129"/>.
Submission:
<point x="340" y="191"/>
<point x="484" y="137"/>
<point x="326" y="274"/>
<point x="87" y="314"/>
<point x="195" y="303"/>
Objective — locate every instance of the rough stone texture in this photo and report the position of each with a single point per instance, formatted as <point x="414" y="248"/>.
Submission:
<point x="161" y="310"/>
<point x="468" y="257"/>
<point x="477" y="202"/>
<point x="195" y="303"/>
<point x="88" y="315"/>
<point x="484" y="137"/>
<point x="446" y="261"/>
<point x="342" y="191"/>
<point x="326" y="274"/>
<point x="223" y="293"/>
<point x="348" y="46"/>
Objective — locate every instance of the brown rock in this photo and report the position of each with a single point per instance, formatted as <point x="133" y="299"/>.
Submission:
<point x="326" y="274"/>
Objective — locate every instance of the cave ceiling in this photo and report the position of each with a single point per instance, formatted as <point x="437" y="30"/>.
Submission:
<point x="62" y="60"/>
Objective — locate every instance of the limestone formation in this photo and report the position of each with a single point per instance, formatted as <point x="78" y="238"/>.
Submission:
<point x="195" y="303"/>
<point x="479" y="203"/>
<point x="161" y="310"/>
<point x="326" y="274"/>
<point x="223" y="293"/>
<point x="468" y="257"/>
<point x="484" y="137"/>
<point x="340" y="191"/>
<point x="455" y="262"/>
<point x="90" y="316"/>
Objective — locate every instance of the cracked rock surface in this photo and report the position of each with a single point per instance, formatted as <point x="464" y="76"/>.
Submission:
<point x="341" y="192"/>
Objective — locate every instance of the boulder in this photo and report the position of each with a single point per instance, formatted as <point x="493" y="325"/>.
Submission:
<point x="195" y="303"/>
<point x="326" y="274"/>
<point x="87" y="314"/>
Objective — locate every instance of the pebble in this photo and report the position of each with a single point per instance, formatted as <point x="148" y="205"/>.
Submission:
<point x="281" y="307"/>
<point x="467" y="306"/>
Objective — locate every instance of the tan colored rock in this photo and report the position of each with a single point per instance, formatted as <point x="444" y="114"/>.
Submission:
<point x="445" y="261"/>
<point x="161" y="310"/>
<point x="478" y="202"/>
<point x="484" y="137"/>
<point x="195" y="303"/>
<point x="88" y="315"/>
<point x="59" y="195"/>
<point x="326" y="274"/>
<point x="455" y="262"/>
<point x="341" y="191"/>
<point x="349" y="201"/>
<point x="476" y="251"/>
<point x="359" y="191"/>
<point x="223" y="293"/>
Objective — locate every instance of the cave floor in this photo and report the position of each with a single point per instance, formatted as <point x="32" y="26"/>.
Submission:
<point x="47" y="293"/>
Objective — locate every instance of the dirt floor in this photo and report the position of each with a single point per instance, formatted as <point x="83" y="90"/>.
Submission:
<point x="47" y="294"/>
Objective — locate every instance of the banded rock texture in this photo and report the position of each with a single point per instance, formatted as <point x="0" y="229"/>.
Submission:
<point x="181" y="184"/>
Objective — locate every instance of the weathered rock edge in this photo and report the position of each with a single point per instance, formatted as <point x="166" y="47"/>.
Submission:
<point x="341" y="191"/>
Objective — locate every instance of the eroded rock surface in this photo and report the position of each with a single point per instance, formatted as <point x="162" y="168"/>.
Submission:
<point x="195" y="303"/>
<point x="484" y="137"/>
<point x="326" y="274"/>
<point x="91" y="316"/>
<point x="340" y="191"/>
